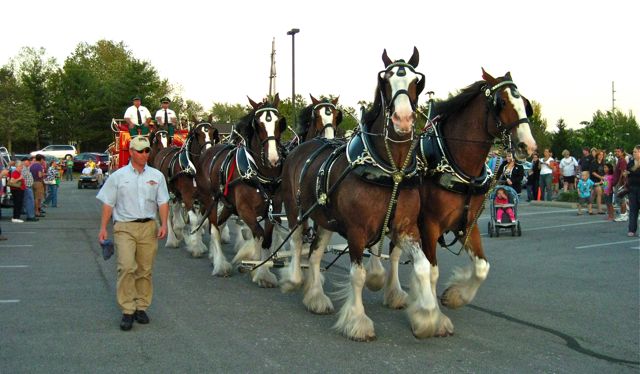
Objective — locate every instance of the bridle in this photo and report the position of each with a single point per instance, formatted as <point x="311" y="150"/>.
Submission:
<point x="194" y="134"/>
<point x="494" y="107"/>
<point x="155" y="140"/>
<point x="263" y="155"/>
<point x="329" y="108"/>
<point x="388" y="108"/>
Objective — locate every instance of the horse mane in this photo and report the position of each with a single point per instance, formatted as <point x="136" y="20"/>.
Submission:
<point x="372" y="114"/>
<point x="461" y="100"/>
<point x="304" y="121"/>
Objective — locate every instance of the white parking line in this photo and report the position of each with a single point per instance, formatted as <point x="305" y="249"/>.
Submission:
<point x="605" y="244"/>
<point x="16" y="245"/>
<point x="19" y="232"/>
<point x="13" y="266"/>
<point x="9" y="301"/>
<point x="546" y="212"/>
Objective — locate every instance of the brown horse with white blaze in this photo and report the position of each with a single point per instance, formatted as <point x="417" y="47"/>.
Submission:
<point x="452" y="193"/>
<point x="349" y="203"/>
<point x="244" y="176"/>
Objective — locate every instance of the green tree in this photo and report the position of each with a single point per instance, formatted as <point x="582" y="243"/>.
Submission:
<point x="608" y="130"/>
<point x="18" y="117"/>
<point x="228" y="113"/>
<point x="35" y="73"/>
<point x="95" y="85"/>
<point x="538" y="126"/>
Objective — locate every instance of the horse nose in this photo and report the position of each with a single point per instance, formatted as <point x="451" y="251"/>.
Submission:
<point x="403" y="122"/>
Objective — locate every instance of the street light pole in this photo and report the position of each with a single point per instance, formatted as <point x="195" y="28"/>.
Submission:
<point x="293" y="33"/>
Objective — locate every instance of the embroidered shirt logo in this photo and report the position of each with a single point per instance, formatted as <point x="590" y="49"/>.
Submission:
<point x="152" y="183"/>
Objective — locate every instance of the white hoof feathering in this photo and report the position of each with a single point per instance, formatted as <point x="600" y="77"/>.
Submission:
<point x="424" y="312"/>
<point x="225" y="236"/>
<point x="375" y="274"/>
<point x="247" y="251"/>
<point x="291" y="277"/>
<point x="221" y="267"/>
<point x="316" y="301"/>
<point x="352" y="320"/>
<point x="194" y="241"/>
<point x="314" y="298"/>
<point x="464" y="284"/>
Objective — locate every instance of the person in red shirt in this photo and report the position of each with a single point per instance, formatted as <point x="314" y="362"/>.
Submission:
<point x="17" y="192"/>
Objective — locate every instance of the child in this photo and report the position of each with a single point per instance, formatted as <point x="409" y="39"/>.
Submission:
<point x="501" y="198"/>
<point x="607" y="184"/>
<point x="585" y="185"/>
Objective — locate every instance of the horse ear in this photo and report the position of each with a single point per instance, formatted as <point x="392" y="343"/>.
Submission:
<point x="276" y="100"/>
<point x="254" y="105"/>
<point x="508" y="76"/>
<point x="193" y="119"/>
<point x="335" y="101"/>
<point x="210" y="120"/>
<point x="387" y="61"/>
<point x="282" y="124"/>
<point x="415" y="58"/>
<point x="487" y="77"/>
<point x="314" y="101"/>
<point x="216" y="136"/>
<point x="527" y="107"/>
<point x="338" y="118"/>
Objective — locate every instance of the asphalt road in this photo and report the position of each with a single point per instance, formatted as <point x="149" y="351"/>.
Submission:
<point x="562" y="298"/>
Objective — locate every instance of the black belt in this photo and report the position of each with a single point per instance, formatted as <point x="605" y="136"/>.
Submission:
<point x="142" y="220"/>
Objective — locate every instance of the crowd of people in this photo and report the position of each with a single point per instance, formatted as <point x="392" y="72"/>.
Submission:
<point x="600" y="183"/>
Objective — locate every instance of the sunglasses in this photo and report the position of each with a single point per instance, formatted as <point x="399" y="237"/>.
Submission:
<point x="146" y="150"/>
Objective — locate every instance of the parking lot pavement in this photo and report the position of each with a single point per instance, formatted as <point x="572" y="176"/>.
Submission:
<point x="563" y="297"/>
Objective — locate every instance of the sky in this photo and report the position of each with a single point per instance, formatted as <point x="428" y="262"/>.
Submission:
<point x="563" y="55"/>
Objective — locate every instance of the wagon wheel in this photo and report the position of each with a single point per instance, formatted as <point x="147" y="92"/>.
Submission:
<point x="519" y="229"/>
<point x="490" y="229"/>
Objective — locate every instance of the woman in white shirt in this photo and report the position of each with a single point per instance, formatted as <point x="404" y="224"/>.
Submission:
<point x="546" y="175"/>
<point x="568" y="167"/>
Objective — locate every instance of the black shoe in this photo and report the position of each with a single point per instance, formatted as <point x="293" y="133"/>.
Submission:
<point x="127" y="322"/>
<point x="141" y="317"/>
<point x="32" y="219"/>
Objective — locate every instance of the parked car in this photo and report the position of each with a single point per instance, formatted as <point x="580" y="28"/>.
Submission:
<point x="59" y="151"/>
<point x="102" y="159"/>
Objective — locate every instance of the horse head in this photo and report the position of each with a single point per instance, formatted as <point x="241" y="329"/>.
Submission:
<point x="159" y="139"/>
<point x="205" y="135"/>
<point x="399" y="85"/>
<point x="510" y="110"/>
<point x="325" y="118"/>
<point x="268" y="126"/>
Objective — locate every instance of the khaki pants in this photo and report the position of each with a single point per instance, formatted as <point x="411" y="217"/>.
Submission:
<point x="136" y="246"/>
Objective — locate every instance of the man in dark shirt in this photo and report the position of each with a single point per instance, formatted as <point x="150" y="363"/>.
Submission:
<point x="37" y="171"/>
<point x="618" y="181"/>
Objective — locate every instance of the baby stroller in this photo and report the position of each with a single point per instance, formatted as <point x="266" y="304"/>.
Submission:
<point x="506" y="223"/>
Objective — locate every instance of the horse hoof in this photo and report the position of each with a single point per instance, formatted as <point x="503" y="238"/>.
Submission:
<point x="451" y="298"/>
<point x="366" y="339"/>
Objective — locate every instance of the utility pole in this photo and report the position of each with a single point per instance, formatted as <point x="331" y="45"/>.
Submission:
<point x="272" y="73"/>
<point x="613" y="102"/>
<point x="293" y="33"/>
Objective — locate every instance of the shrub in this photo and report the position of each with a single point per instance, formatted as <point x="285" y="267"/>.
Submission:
<point x="569" y="196"/>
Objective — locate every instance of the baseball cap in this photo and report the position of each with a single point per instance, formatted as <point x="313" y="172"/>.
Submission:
<point x="139" y="143"/>
<point x="137" y="97"/>
<point x="165" y="100"/>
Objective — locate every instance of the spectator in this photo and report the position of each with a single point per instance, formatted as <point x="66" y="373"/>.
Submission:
<point x="619" y="181"/>
<point x="585" y="161"/>
<point x="568" y="168"/>
<point x="4" y="173"/>
<point x="511" y="173"/>
<point x="533" y="178"/>
<point x="18" y="192"/>
<point x="28" y="202"/>
<point x="546" y="175"/>
<point x="607" y="186"/>
<point x="494" y="161"/>
<point x="585" y="185"/>
<point x="38" y="171"/>
<point x="51" y="181"/>
<point x="555" y="179"/>
<point x="597" y="176"/>
<point x="68" y="174"/>
<point x="633" y="189"/>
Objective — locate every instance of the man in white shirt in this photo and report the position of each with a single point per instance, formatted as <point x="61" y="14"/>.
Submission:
<point x="166" y="118"/>
<point x="137" y="117"/>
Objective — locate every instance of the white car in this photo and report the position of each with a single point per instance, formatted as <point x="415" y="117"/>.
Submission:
<point x="57" y="151"/>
